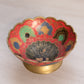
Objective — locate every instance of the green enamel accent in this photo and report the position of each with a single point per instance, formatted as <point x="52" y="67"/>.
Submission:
<point x="61" y="38"/>
<point x="24" y="30"/>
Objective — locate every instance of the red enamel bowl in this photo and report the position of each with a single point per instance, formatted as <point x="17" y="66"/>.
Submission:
<point x="41" y="41"/>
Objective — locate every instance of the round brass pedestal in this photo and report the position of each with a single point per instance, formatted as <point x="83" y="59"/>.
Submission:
<point x="43" y="69"/>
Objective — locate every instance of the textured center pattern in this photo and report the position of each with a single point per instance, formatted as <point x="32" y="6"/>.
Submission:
<point x="42" y="51"/>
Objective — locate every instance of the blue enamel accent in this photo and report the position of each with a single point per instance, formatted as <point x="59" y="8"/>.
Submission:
<point x="68" y="48"/>
<point x="44" y="59"/>
<point x="16" y="45"/>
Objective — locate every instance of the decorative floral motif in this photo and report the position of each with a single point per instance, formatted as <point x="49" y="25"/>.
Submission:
<point x="45" y="28"/>
<point x="61" y="35"/>
<point x="42" y="41"/>
<point x="25" y="32"/>
<point x="42" y="51"/>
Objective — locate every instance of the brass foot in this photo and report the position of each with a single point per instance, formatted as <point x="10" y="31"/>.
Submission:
<point x="43" y="69"/>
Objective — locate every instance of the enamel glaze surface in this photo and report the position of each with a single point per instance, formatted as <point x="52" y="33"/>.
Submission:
<point x="41" y="41"/>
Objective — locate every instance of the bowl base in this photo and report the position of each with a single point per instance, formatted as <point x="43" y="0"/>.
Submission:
<point x="43" y="69"/>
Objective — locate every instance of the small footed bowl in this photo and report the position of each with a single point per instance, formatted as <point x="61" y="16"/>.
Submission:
<point x="41" y="43"/>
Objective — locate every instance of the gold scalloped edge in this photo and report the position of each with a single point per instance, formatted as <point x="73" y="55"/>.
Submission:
<point x="44" y="19"/>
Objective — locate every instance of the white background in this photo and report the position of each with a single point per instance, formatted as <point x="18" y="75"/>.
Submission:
<point x="12" y="70"/>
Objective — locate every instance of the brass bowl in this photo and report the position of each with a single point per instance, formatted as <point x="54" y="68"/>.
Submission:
<point x="42" y="43"/>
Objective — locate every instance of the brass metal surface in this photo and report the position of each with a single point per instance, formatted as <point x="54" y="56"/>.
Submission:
<point x="43" y="69"/>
